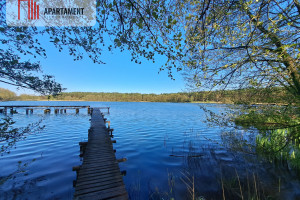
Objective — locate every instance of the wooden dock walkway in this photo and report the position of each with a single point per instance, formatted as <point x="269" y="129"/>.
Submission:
<point x="47" y="109"/>
<point x="99" y="176"/>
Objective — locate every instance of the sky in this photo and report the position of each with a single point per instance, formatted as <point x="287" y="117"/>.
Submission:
<point x="119" y="74"/>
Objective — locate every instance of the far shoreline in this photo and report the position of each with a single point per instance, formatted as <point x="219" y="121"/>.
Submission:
<point x="195" y="102"/>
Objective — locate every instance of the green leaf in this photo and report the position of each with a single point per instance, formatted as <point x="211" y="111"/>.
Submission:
<point x="133" y="20"/>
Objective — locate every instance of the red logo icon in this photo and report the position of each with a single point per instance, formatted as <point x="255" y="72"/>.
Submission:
<point x="33" y="9"/>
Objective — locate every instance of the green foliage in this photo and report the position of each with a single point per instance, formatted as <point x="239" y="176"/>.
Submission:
<point x="220" y="44"/>
<point x="266" y="117"/>
<point x="269" y="117"/>
<point x="242" y="43"/>
<point x="278" y="136"/>
<point x="272" y="132"/>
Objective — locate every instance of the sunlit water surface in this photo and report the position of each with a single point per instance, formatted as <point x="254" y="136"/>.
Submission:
<point x="166" y="144"/>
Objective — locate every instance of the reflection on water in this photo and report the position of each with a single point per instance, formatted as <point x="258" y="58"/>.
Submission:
<point x="170" y="153"/>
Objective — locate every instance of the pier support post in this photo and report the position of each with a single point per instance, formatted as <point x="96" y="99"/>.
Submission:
<point x="46" y="111"/>
<point x="31" y="110"/>
<point x="27" y="111"/>
<point x="12" y="110"/>
<point x="89" y="110"/>
<point x="108" y="124"/>
<point x="123" y="173"/>
<point x="77" y="110"/>
<point x="56" y="111"/>
<point x="110" y="131"/>
<point x="122" y="160"/>
<point x="82" y="148"/>
<point x="76" y="168"/>
<point x="65" y="110"/>
<point x="108" y="110"/>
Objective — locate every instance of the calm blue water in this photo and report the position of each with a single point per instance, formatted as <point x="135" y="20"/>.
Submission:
<point x="166" y="144"/>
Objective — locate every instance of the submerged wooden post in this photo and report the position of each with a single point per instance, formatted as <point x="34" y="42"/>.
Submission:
<point x="108" y="124"/>
<point x="46" y="111"/>
<point x="77" y="110"/>
<point x="122" y="160"/>
<point x="82" y="148"/>
<point x="123" y="173"/>
<point x="108" y="110"/>
<point x="76" y="168"/>
<point x="110" y="132"/>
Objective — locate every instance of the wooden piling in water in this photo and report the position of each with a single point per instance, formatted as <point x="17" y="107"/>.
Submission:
<point x="108" y="124"/>
<point x="46" y="111"/>
<point x="57" y="109"/>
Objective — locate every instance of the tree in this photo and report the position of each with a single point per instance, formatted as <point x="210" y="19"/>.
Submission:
<point x="221" y="43"/>
<point x="13" y="70"/>
<point x="245" y="43"/>
<point x="20" y="44"/>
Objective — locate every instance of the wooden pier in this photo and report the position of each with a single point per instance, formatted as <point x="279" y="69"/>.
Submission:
<point x="47" y="109"/>
<point x="99" y="176"/>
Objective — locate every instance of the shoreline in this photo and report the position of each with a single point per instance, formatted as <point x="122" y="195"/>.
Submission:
<point x="208" y="102"/>
<point x="194" y="102"/>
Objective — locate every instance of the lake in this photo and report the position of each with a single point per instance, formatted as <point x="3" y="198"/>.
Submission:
<point x="170" y="152"/>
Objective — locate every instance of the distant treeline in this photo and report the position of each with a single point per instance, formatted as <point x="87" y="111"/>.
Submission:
<point x="242" y="96"/>
<point x="7" y="95"/>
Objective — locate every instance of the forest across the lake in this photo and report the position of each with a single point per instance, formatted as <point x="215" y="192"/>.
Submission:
<point x="242" y="96"/>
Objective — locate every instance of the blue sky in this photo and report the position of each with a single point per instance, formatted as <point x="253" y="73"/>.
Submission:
<point x="119" y="74"/>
